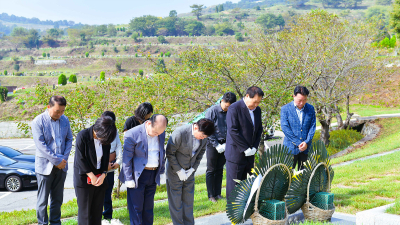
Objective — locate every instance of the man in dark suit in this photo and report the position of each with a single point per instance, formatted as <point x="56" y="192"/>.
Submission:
<point x="216" y="146"/>
<point x="244" y="129"/>
<point x="142" y="163"/>
<point x="185" y="149"/>
<point x="298" y="123"/>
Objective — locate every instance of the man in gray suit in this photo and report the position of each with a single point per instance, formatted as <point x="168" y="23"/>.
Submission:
<point x="53" y="139"/>
<point x="185" y="149"/>
<point x="142" y="163"/>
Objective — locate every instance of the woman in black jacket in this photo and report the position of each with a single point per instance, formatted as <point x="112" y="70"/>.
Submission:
<point x="92" y="152"/>
<point x="142" y="113"/>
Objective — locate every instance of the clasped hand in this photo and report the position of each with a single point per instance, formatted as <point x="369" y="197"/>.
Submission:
<point x="185" y="174"/>
<point x="303" y="146"/>
<point x="250" y="151"/>
<point x="220" y="148"/>
<point x="97" y="181"/>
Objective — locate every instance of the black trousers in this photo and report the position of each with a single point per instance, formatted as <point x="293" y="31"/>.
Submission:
<point x="141" y="199"/>
<point x="108" y="210"/>
<point x="298" y="160"/>
<point x="237" y="172"/>
<point x="215" y="171"/>
<point x="90" y="203"/>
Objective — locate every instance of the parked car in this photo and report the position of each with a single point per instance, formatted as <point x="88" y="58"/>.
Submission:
<point x="16" y="155"/>
<point x="16" y="175"/>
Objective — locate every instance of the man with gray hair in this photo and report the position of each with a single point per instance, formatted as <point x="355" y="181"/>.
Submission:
<point x="52" y="135"/>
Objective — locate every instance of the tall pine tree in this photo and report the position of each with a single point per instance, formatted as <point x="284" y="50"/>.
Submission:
<point x="395" y="17"/>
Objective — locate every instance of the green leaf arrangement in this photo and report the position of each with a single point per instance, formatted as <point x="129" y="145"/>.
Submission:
<point x="237" y="201"/>
<point x="297" y="194"/>
<point x="275" y="184"/>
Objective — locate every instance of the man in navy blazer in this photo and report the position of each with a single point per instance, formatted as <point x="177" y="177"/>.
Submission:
<point x="52" y="135"/>
<point x="143" y="161"/>
<point x="298" y="124"/>
<point x="244" y="129"/>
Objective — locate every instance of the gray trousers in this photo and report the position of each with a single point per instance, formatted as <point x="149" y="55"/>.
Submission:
<point x="180" y="199"/>
<point x="53" y="185"/>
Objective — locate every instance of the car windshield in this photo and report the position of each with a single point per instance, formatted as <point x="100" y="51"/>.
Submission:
<point x="5" y="161"/>
<point x="9" y="152"/>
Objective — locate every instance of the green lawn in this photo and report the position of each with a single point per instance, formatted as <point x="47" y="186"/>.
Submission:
<point x="387" y="140"/>
<point x="395" y="209"/>
<point x="371" y="110"/>
<point x="367" y="184"/>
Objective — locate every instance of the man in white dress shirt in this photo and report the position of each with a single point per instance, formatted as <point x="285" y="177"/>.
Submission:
<point x="142" y="163"/>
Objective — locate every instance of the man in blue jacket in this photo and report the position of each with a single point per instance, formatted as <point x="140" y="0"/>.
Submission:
<point x="143" y="161"/>
<point x="298" y="124"/>
<point x="52" y="135"/>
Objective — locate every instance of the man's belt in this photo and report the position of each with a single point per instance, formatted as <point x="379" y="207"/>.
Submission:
<point x="150" y="168"/>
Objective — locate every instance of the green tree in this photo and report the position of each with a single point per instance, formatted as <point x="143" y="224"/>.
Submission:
<point x="195" y="28"/>
<point x="224" y="28"/>
<point x="73" y="78"/>
<point x="161" y="39"/>
<point x="268" y="20"/>
<point x="216" y="9"/>
<point x="16" y="67"/>
<point x="53" y="33"/>
<point x="44" y="54"/>
<point x="146" y="25"/>
<point x="221" y="8"/>
<point x="5" y="72"/>
<point x="141" y="72"/>
<point x="161" y="66"/>
<point x="87" y="54"/>
<point x="102" y="76"/>
<point x="101" y="30"/>
<point x="111" y="30"/>
<point x="395" y="16"/>
<point x="280" y="21"/>
<point x="62" y="79"/>
<point x="115" y="49"/>
<point x="257" y="8"/>
<point x="168" y="54"/>
<point x="392" y="42"/>
<point x="118" y="66"/>
<point x="3" y="94"/>
<point x="197" y="10"/>
<point x="135" y="36"/>
<point x="102" y="53"/>
<point x="210" y="30"/>
<point x="48" y="55"/>
<point x="239" y="36"/>
<point x="173" y="13"/>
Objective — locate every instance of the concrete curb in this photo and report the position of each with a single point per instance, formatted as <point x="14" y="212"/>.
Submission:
<point x="377" y="216"/>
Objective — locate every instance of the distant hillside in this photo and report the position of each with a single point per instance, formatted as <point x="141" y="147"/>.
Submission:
<point x="23" y="20"/>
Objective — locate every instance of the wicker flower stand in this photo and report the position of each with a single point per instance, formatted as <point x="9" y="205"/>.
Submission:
<point x="257" y="218"/>
<point x="312" y="212"/>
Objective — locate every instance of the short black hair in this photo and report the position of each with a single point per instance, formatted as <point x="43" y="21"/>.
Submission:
<point x="60" y="100"/>
<point x="105" y="129"/>
<point x="142" y="110"/>
<point x="206" y="126"/>
<point x="301" y="90"/>
<point x="110" y="114"/>
<point x="229" y="97"/>
<point x="153" y="119"/>
<point x="253" y="91"/>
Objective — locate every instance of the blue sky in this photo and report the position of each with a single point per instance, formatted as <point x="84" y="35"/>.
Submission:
<point x="98" y="11"/>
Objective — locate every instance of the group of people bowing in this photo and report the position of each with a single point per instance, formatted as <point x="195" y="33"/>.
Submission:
<point x="230" y="133"/>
